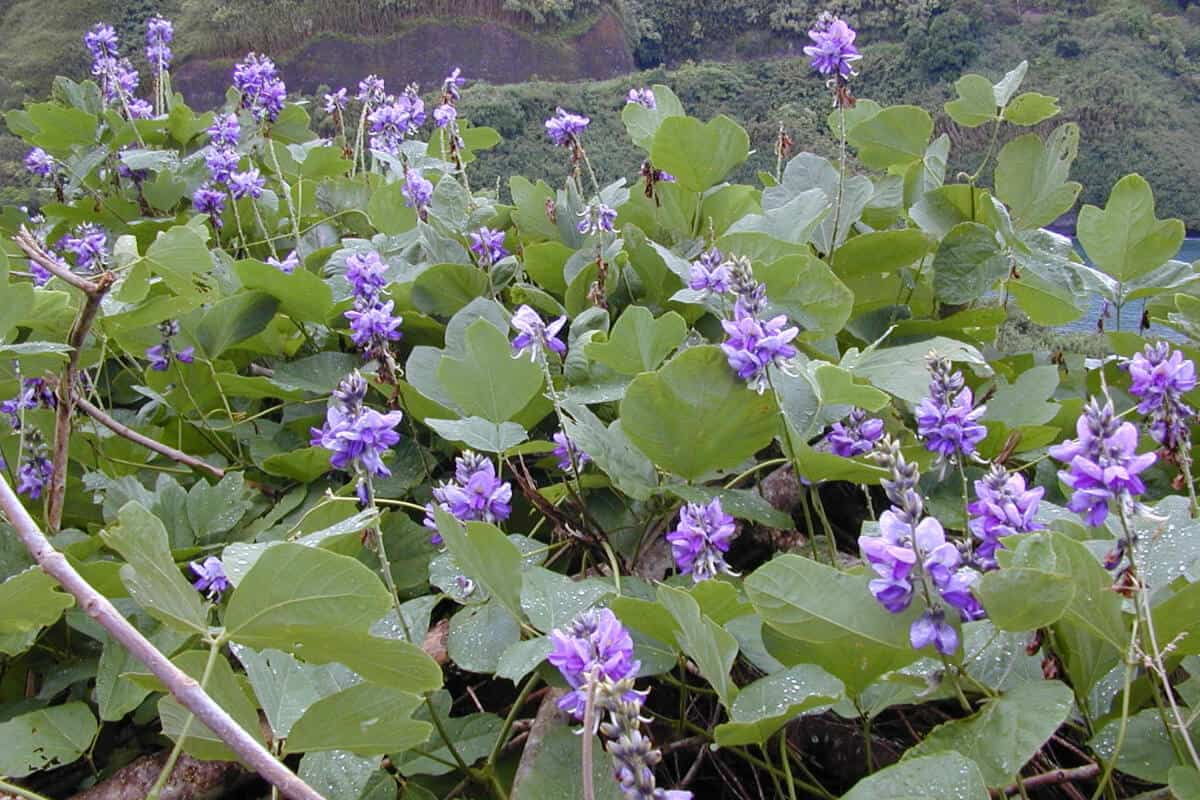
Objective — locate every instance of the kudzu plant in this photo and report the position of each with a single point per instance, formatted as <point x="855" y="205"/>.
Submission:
<point x="648" y="486"/>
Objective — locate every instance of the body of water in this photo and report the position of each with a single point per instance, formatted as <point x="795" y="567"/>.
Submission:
<point x="1131" y="314"/>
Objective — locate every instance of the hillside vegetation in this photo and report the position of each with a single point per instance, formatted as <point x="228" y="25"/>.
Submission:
<point x="1126" y="70"/>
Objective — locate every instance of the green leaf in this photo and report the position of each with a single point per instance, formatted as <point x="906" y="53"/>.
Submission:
<point x="639" y="342"/>
<point x="699" y="155"/>
<point x="837" y="387"/>
<point x="46" y="738"/>
<point x="234" y="320"/>
<point x="804" y="288"/>
<point x="551" y="600"/>
<point x="150" y="573"/>
<point x="550" y="766"/>
<point x="488" y="381"/>
<point x="223" y="687"/>
<point x="1024" y="599"/>
<point x="895" y="136"/>
<point x="611" y="451"/>
<point x="975" y="104"/>
<point x="741" y="503"/>
<point x="181" y="258"/>
<point x="443" y="289"/>
<point x="285" y="687"/>
<point x="339" y="775"/>
<point x="304" y="465"/>
<point x="1031" y="108"/>
<point x="318" y="374"/>
<point x="766" y="705"/>
<point x="388" y="662"/>
<point x="968" y="263"/>
<point x="706" y="643"/>
<point x="486" y="555"/>
<point x="530" y="212"/>
<point x="480" y="636"/>
<point x="900" y="371"/>
<point x="1025" y="401"/>
<point x="928" y="778"/>
<point x="793" y="222"/>
<point x="799" y="399"/>
<point x="479" y="433"/>
<point x="1125" y="239"/>
<point x="388" y="211"/>
<point x="521" y="658"/>
<point x="472" y="735"/>
<point x="643" y="123"/>
<point x="544" y="263"/>
<point x="363" y="719"/>
<point x="1185" y="783"/>
<point x="1008" y="85"/>
<point x="301" y="295"/>
<point x="29" y="601"/>
<point x="1147" y="752"/>
<point x="693" y="416"/>
<point x="1031" y="177"/>
<point x="881" y="252"/>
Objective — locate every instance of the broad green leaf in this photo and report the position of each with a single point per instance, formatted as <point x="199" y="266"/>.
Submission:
<point x="968" y="263"/>
<point x="530" y="212"/>
<point x="699" y="155"/>
<point x="550" y="766"/>
<point x="1146" y="753"/>
<point x="45" y="738"/>
<point x="742" y="503"/>
<point x="485" y="555"/>
<point x="1167" y="548"/>
<point x="150" y="573"/>
<point x="1125" y="239"/>
<point x="643" y="123"/>
<point x="472" y="735"/>
<point x="948" y="775"/>
<point x="900" y="371"/>
<point x="387" y="662"/>
<point x="975" y="104"/>
<point x="881" y="252"/>
<point x="1007" y="86"/>
<point x="1031" y="108"/>
<point x="705" y="642"/>
<point x="693" y="416"/>
<point x="116" y="694"/>
<point x="611" y="451"/>
<point x="223" y="686"/>
<point x="488" y="381"/>
<point x="857" y="662"/>
<point x="478" y="433"/>
<point x="1185" y="783"/>
<point x="895" y="136"/>
<point x="389" y="211"/>
<point x="1024" y="599"/>
<point x="1031" y="177"/>
<point x="552" y="600"/>
<point x="443" y="289"/>
<point x="480" y="635"/>
<point x="794" y="222"/>
<point x="521" y="658"/>
<point x="285" y="687"/>
<point x="304" y="465"/>
<point x="639" y="342"/>
<point x="804" y="288"/>
<point x="29" y="601"/>
<point x="837" y="387"/>
<point x="340" y="775"/>
<point x="181" y="258"/>
<point x="544" y="263"/>
<point x="1051" y="288"/>
<point x="766" y="705"/>
<point x="318" y="374"/>
<point x="301" y="295"/>
<point x="799" y="399"/>
<point x="363" y="719"/>
<point x="233" y="320"/>
<point x="1025" y="401"/>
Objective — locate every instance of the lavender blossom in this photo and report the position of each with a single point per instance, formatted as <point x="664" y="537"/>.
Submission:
<point x="564" y="128"/>
<point x="207" y="200"/>
<point x="931" y="628"/>
<point x="1004" y="507"/>
<point x="89" y="244"/>
<point x="1103" y="464"/>
<point x="160" y="355"/>
<point x="371" y="90"/>
<point x="832" y="51"/>
<point x="221" y="163"/>
<point x="246" y="184"/>
<point x="417" y="192"/>
<point x="373" y="325"/>
<point x="356" y="436"/>
<point x="488" y="246"/>
<point x="335" y="103"/>
<point x="34" y="393"/>
<point x="365" y="273"/>
<point x="570" y="457"/>
<point x="477" y="494"/>
<point x="101" y="41"/>
<point x="753" y="344"/>
<point x="210" y="578"/>
<point x="534" y="335"/>
<point x="391" y="123"/>
<point x="703" y="537"/>
<point x="225" y="131"/>
<point x="594" y="645"/>
<point x="596" y="218"/>
<point x="159" y="35"/>
<point x="444" y="115"/>
<point x="452" y="84"/>
<point x="289" y="263"/>
<point x="263" y="91"/>
<point x="856" y="436"/>
<point x="946" y="420"/>
<point x="643" y="97"/>
<point x="35" y="470"/>
<point x="710" y="273"/>
<point x="39" y="162"/>
<point x="1160" y="378"/>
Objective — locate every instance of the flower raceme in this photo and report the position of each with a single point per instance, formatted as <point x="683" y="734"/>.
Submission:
<point x="947" y="420"/>
<point x="832" y="51"/>
<point x="356" y="436"/>
<point x="595" y="644"/>
<point x="477" y="494"/>
<point x="160" y="355"/>
<point x="752" y="344"/>
<point x="210" y="578"/>
<point x="570" y="457"/>
<point x="1160" y="377"/>
<point x="565" y="127"/>
<point x="1004" y="507"/>
<point x="856" y="436"/>
<point x="534" y="335"/>
<point x="702" y="538"/>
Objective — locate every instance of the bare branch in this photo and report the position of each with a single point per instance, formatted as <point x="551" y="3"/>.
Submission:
<point x="1055" y="777"/>
<point x="33" y="249"/>
<point x="186" y="690"/>
<point x="98" y="414"/>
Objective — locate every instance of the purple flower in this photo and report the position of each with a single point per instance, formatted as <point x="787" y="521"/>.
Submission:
<point x="225" y="131"/>
<point x="118" y="79"/>
<point x="594" y="645"/>
<point x="444" y="114"/>
<point x="371" y="90"/>
<point x="753" y="345"/>
<point x="477" y="494"/>
<point x="34" y="392"/>
<point x="160" y="355"/>
<point x="533" y="334"/>
<point x="140" y="109"/>
<point x="564" y="127"/>
<point x="246" y="184"/>
<point x="365" y="272"/>
<point x="453" y="83"/>
<point x="39" y="162"/>
<point x="1103" y="463"/>
<point x="101" y="41"/>
<point x="931" y="628"/>
<point x="396" y="120"/>
<point x="335" y="103"/>
<point x="488" y="246"/>
<point x="357" y="436"/>
<point x="207" y="200"/>
<point x="856" y="436"/>
<point x="946" y="420"/>
<point x="417" y="192"/>
<point x="372" y="325"/>
<point x="710" y="273"/>
<point x="88" y="243"/>
<point x="1160" y="378"/>
<point x="221" y="163"/>
<point x="1004" y="507"/>
<point x="210" y="578"/>
<point x="832" y="50"/>
<point x="34" y="473"/>
<point x="700" y="542"/>
<point x="569" y="455"/>
<point x="159" y="35"/>
<point x="596" y="217"/>
<point x="289" y="263"/>
<point x="642" y="97"/>
<point x="662" y="176"/>
<point x="262" y="90"/>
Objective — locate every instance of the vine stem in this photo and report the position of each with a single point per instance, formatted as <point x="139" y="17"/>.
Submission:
<point x="786" y="758"/>
<point x="98" y="414"/>
<point x="214" y="650"/>
<point x="522" y="696"/>
<point x="287" y="195"/>
<point x="182" y="686"/>
<point x="18" y="791"/>
<point x="1130" y="663"/>
<point x="589" y="718"/>
<point x="837" y="208"/>
<point x="258" y="217"/>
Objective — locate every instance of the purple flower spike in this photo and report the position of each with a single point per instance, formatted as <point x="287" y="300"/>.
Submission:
<point x="335" y="103"/>
<point x="1103" y="463"/>
<point x="564" y="127"/>
<point x="89" y="244"/>
<point x="533" y="334"/>
<point x="210" y="578"/>
<point x="39" y="162"/>
<point x="753" y="344"/>
<point x="856" y="436"/>
<point x="101" y="41"/>
<point x="596" y="218"/>
<point x="159" y="35"/>
<point x="477" y="494"/>
<point x="365" y="273"/>
<point x="246" y="184"/>
<point x="488" y="246"/>
<point x="391" y="123"/>
<point x="225" y="131"/>
<point x="356" y="436"/>
<point x="700" y="542"/>
<point x="263" y="91"/>
<point x="931" y="628"/>
<point x="947" y="420"/>
<point x="1005" y="507"/>
<point x="373" y="325"/>
<point x="594" y="645"/>
<point x="417" y="192"/>
<point x="221" y="163"/>
<point x="33" y="393"/>
<point x="832" y="51"/>
<point x="568" y="453"/>
<point x="710" y="273"/>
<point x="444" y="115"/>
<point x="642" y="97"/>
<point x="34" y="473"/>
<point x="207" y="200"/>
<point x="371" y="90"/>
<point x="1160" y="378"/>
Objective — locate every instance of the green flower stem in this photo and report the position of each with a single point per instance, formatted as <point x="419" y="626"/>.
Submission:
<point x="268" y="238"/>
<point x="770" y="462"/>
<point x="17" y="791"/>
<point x="293" y="215"/>
<point x="522" y="696"/>
<point x="1184" y="457"/>
<point x="214" y="651"/>
<point x="237" y="219"/>
<point x="1130" y="665"/>
<point x="819" y="507"/>
<point x="786" y="758"/>
<point x="837" y="208"/>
